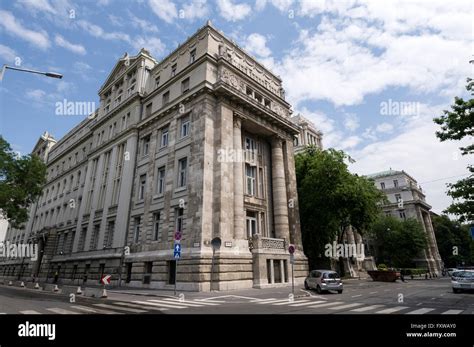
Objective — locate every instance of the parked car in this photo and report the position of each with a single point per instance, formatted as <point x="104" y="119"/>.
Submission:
<point x="450" y="271"/>
<point x="462" y="280"/>
<point x="323" y="280"/>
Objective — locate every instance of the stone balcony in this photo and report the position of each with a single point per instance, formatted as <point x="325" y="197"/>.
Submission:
<point x="260" y="244"/>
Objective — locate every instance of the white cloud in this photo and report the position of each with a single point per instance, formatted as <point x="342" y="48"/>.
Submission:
<point x="257" y="45"/>
<point x="153" y="44"/>
<point x="164" y="9"/>
<point x="143" y="24"/>
<point x="82" y="67"/>
<point x="75" y="48"/>
<point x="233" y="12"/>
<point x="36" y="95"/>
<point x="38" y="38"/>
<point x="384" y="128"/>
<point x="196" y="9"/>
<point x="39" y="5"/>
<point x="6" y="53"/>
<point x="98" y="32"/>
<point x="351" y="121"/>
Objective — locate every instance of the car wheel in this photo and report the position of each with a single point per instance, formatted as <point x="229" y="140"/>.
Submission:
<point x="306" y="285"/>
<point x="339" y="291"/>
<point x="456" y="290"/>
<point x="318" y="289"/>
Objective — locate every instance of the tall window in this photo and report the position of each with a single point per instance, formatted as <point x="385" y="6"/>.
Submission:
<point x="118" y="173"/>
<point x="185" y="123"/>
<point x="156" y="226"/>
<point x="173" y="70"/>
<point x="250" y="149"/>
<point x="382" y="185"/>
<point x="148" y="110"/>
<point x="395" y="183"/>
<point x="95" y="237"/>
<point x="109" y="236"/>
<point x="192" y="56"/>
<point x="182" y="170"/>
<point x="164" y="137"/>
<point x="166" y="97"/>
<point x="402" y="215"/>
<point x="142" y="187"/>
<point x="146" y="145"/>
<point x="179" y="226"/>
<point x="136" y="229"/>
<point x="398" y="197"/>
<point x="185" y="85"/>
<point x="250" y="172"/>
<point x="92" y="183"/>
<point x="260" y="183"/>
<point x="251" y="224"/>
<point x="105" y="175"/>
<point x="161" y="180"/>
<point x="157" y="81"/>
<point x="131" y="87"/>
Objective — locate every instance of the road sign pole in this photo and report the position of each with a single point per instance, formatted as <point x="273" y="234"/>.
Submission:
<point x="175" y="276"/>
<point x="293" y="277"/>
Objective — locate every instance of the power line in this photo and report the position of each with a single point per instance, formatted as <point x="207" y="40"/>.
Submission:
<point x="444" y="178"/>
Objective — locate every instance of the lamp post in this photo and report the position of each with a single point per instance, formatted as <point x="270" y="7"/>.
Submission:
<point x="47" y="74"/>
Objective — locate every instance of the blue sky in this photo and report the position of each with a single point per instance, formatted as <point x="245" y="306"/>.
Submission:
<point x="340" y="61"/>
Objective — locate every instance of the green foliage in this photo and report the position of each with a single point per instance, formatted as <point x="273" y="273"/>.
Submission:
<point x="457" y="124"/>
<point x="331" y="198"/>
<point x="397" y="242"/>
<point x="453" y="237"/>
<point x="382" y="267"/>
<point x="21" y="181"/>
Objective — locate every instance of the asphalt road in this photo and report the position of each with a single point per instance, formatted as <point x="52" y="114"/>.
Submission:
<point x="359" y="297"/>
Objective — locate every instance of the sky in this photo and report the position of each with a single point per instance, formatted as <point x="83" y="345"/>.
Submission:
<point x="371" y="75"/>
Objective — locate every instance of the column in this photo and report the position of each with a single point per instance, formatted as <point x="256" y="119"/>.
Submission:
<point x="272" y="272"/>
<point x="280" y="207"/>
<point x="282" y="271"/>
<point x="239" y="230"/>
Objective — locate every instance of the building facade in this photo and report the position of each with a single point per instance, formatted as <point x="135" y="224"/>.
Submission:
<point x="308" y="134"/>
<point x="407" y="200"/>
<point x="199" y="143"/>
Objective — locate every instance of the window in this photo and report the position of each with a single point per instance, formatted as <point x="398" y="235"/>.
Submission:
<point x="251" y="224"/>
<point x="260" y="183"/>
<point x="182" y="168"/>
<point x="141" y="188"/>
<point x="136" y="231"/>
<point x="395" y="183"/>
<point x="250" y="172"/>
<point x="161" y="180"/>
<point x="156" y="226"/>
<point x="249" y="91"/>
<point x="185" y="123"/>
<point x="192" y="56"/>
<point x="103" y="183"/>
<point x="131" y="88"/>
<point x="148" y="110"/>
<point x="147" y="272"/>
<point x="250" y="149"/>
<point x="109" y="236"/>
<point x="157" y="81"/>
<point x="179" y="226"/>
<point x="402" y="215"/>
<point x="166" y="97"/>
<point x="146" y="145"/>
<point x="173" y="70"/>
<point x="164" y="137"/>
<point x="118" y="173"/>
<point x="398" y="197"/>
<point x="185" y="85"/>
<point x="382" y="185"/>
<point x="95" y="237"/>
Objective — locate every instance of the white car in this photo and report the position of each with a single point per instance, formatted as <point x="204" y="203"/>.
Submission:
<point x="462" y="280"/>
<point x="450" y="271"/>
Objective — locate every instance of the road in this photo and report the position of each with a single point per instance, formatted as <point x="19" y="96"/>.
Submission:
<point x="359" y="297"/>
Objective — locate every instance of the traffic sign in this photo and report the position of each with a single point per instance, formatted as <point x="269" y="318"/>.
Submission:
<point x="178" y="235"/>
<point x="106" y="279"/>
<point x="177" y="250"/>
<point x="291" y="249"/>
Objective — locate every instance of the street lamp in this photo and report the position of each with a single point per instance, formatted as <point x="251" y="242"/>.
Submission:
<point x="47" y="74"/>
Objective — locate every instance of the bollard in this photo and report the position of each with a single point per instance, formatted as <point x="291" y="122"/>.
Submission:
<point x="79" y="291"/>
<point x="56" y="288"/>
<point x="37" y="286"/>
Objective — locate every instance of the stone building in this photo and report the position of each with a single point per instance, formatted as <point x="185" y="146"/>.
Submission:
<point x="199" y="143"/>
<point x="308" y="134"/>
<point x="407" y="200"/>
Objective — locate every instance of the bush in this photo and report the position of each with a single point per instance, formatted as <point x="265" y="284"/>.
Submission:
<point x="382" y="267"/>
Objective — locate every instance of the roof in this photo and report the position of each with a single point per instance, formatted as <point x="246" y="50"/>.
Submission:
<point x="384" y="173"/>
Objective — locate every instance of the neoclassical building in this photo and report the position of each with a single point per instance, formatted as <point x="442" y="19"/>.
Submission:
<point x="199" y="143"/>
<point x="407" y="200"/>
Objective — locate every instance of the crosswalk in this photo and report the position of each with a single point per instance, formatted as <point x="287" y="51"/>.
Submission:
<point x="324" y="306"/>
<point x="118" y="307"/>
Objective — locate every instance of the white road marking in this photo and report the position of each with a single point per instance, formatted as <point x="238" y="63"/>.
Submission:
<point x="61" y="310"/>
<point x="263" y="300"/>
<point x="345" y="306"/>
<point x="306" y="303"/>
<point x="141" y="306"/>
<point x="126" y="309"/>
<point x="158" y="304"/>
<point x="373" y="292"/>
<point x="200" y="303"/>
<point x="356" y="296"/>
<point x="391" y="310"/>
<point x="327" y="304"/>
<point x="367" y="308"/>
<point x="94" y="310"/>
<point x="30" y="312"/>
<point x="180" y="304"/>
<point x="288" y="302"/>
<point x="421" y="311"/>
<point x="273" y="301"/>
<point x="452" y="312"/>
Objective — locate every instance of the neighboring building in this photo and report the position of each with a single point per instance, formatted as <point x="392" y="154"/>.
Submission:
<point x="407" y="200"/>
<point x="308" y="134"/>
<point x="160" y="155"/>
<point x="3" y="229"/>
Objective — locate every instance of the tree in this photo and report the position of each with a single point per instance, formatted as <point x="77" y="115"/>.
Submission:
<point x="331" y="199"/>
<point x="456" y="124"/>
<point x="397" y="242"/>
<point x="454" y="242"/>
<point x="21" y="182"/>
